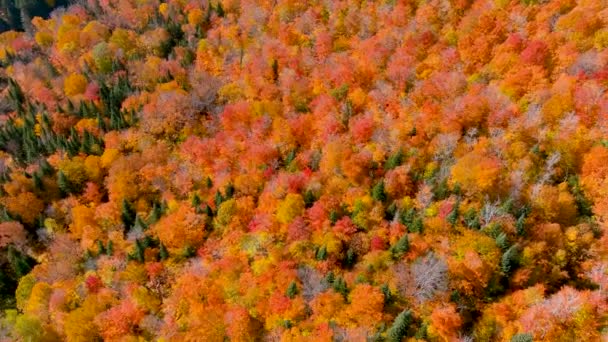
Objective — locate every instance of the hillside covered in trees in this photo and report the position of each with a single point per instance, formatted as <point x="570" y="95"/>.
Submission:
<point x="17" y="14"/>
<point x="323" y="170"/>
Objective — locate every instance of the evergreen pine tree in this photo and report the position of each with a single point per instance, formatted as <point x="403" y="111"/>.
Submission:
<point x="4" y="216"/>
<point x="471" y="219"/>
<point x="81" y="111"/>
<point x="71" y="109"/>
<point x="163" y="253"/>
<point x="351" y="258"/>
<point x="520" y="225"/>
<point x="386" y="291"/>
<point x="406" y="217"/>
<point x="208" y="211"/>
<point x="21" y="264"/>
<point x="333" y="217"/>
<point x="378" y="192"/>
<point x="417" y="226"/>
<point x="114" y="121"/>
<point x="207" y="20"/>
<point x="229" y="190"/>
<point x="101" y="124"/>
<point x="147" y="241"/>
<point x="15" y="93"/>
<point x="454" y="214"/>
<point x="188" y="252"/>
<point x="401" y="247"/>
<point x="457" y="190"/>
<point x="509" y="260"/>
<point x="139" y="251"/>
<point x="110" y="249"/>
<point x="139" y="223"/>
<point x="127" y="214"/>
<point x="309" y="198"/>
<point x="339" y="286"/>
<point x="63" y="184"/>
<point x="209" y="183"/>
<point x="292" y="290"/>
<point x="390" y="212"/>
<point x="322" y="253"/>
<point x="290" y="157"/>
<point x="422" y="332"/>
<point x="522" y="338"/>
<point x="100" y="248"/>
<point x="37" y="181"/>
<point x="394" y="160"/>
<point x="87" y="143"/>
<point x="155" y="214"/>
<point x="502" y="241"/>
<point x="196" y="201"/>
<point x="219" y="10"/>
<point x="275" y="70"/>
<point x="218" y="199"/>
<point x="399" y="328"/>
<point x="46" y="168"/>
<point x="441" y="190"/>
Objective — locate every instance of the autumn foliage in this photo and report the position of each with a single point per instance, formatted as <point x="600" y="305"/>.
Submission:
<point x="193" y="170"/>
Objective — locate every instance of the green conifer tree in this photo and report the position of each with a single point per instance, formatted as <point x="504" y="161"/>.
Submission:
<point x="100" y="248"/>
<point x="400" y="326"/>
<point x="163" y="253"/>
<point x="64" y="184"/>
<point x="139" y="252"/>
<point x="20" y="263"/>
<point x="110" y="249"/>
<point x="402" y="246"/>
<point x="275" y="70"/>
<point x="452" y="217"/>
<point x="219" y="10"/>
<point x="218" y="199"/>
<point x="38" y="185"/>
<point x="340" y="286"/>
<point x="522" y="338"/>
<point x="386" y="291"/>
<point x="155" y="214"/>
<point x="378" y="192"/>
<point x="394" y="160"/>
<point x="127" y="214"/>
<point x="322" y="253"/>
<point x="292" y="290"/>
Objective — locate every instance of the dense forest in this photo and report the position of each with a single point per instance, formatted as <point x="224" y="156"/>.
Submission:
<point x="323" y="170"/>
<point x="17" y="14"/>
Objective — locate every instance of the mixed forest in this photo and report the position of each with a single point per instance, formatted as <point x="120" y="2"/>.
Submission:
<point x="290" y="170"/>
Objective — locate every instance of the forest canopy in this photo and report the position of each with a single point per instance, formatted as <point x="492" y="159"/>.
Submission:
<point x="323" y="170"/>
<point x="17" y="14"/>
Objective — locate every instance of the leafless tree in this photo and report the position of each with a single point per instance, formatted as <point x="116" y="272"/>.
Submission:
<point x="470" y="137"/>
<point x="518" y="182"/>
<point x="465" y="338"/>
<point x="426" y="278"/>
<point x="587" y="63"/>
<point x="532" y="117"/>
<point x="445" y="144"/>
<point x="203" y="92"/>
<point x="312" y="282"/>
<point x="424" y="196"/>
<point x="351" y="334"/>
<point x="489" y="211"/>
<point x="430" y="277"/>
<point x="548" y="172"/>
